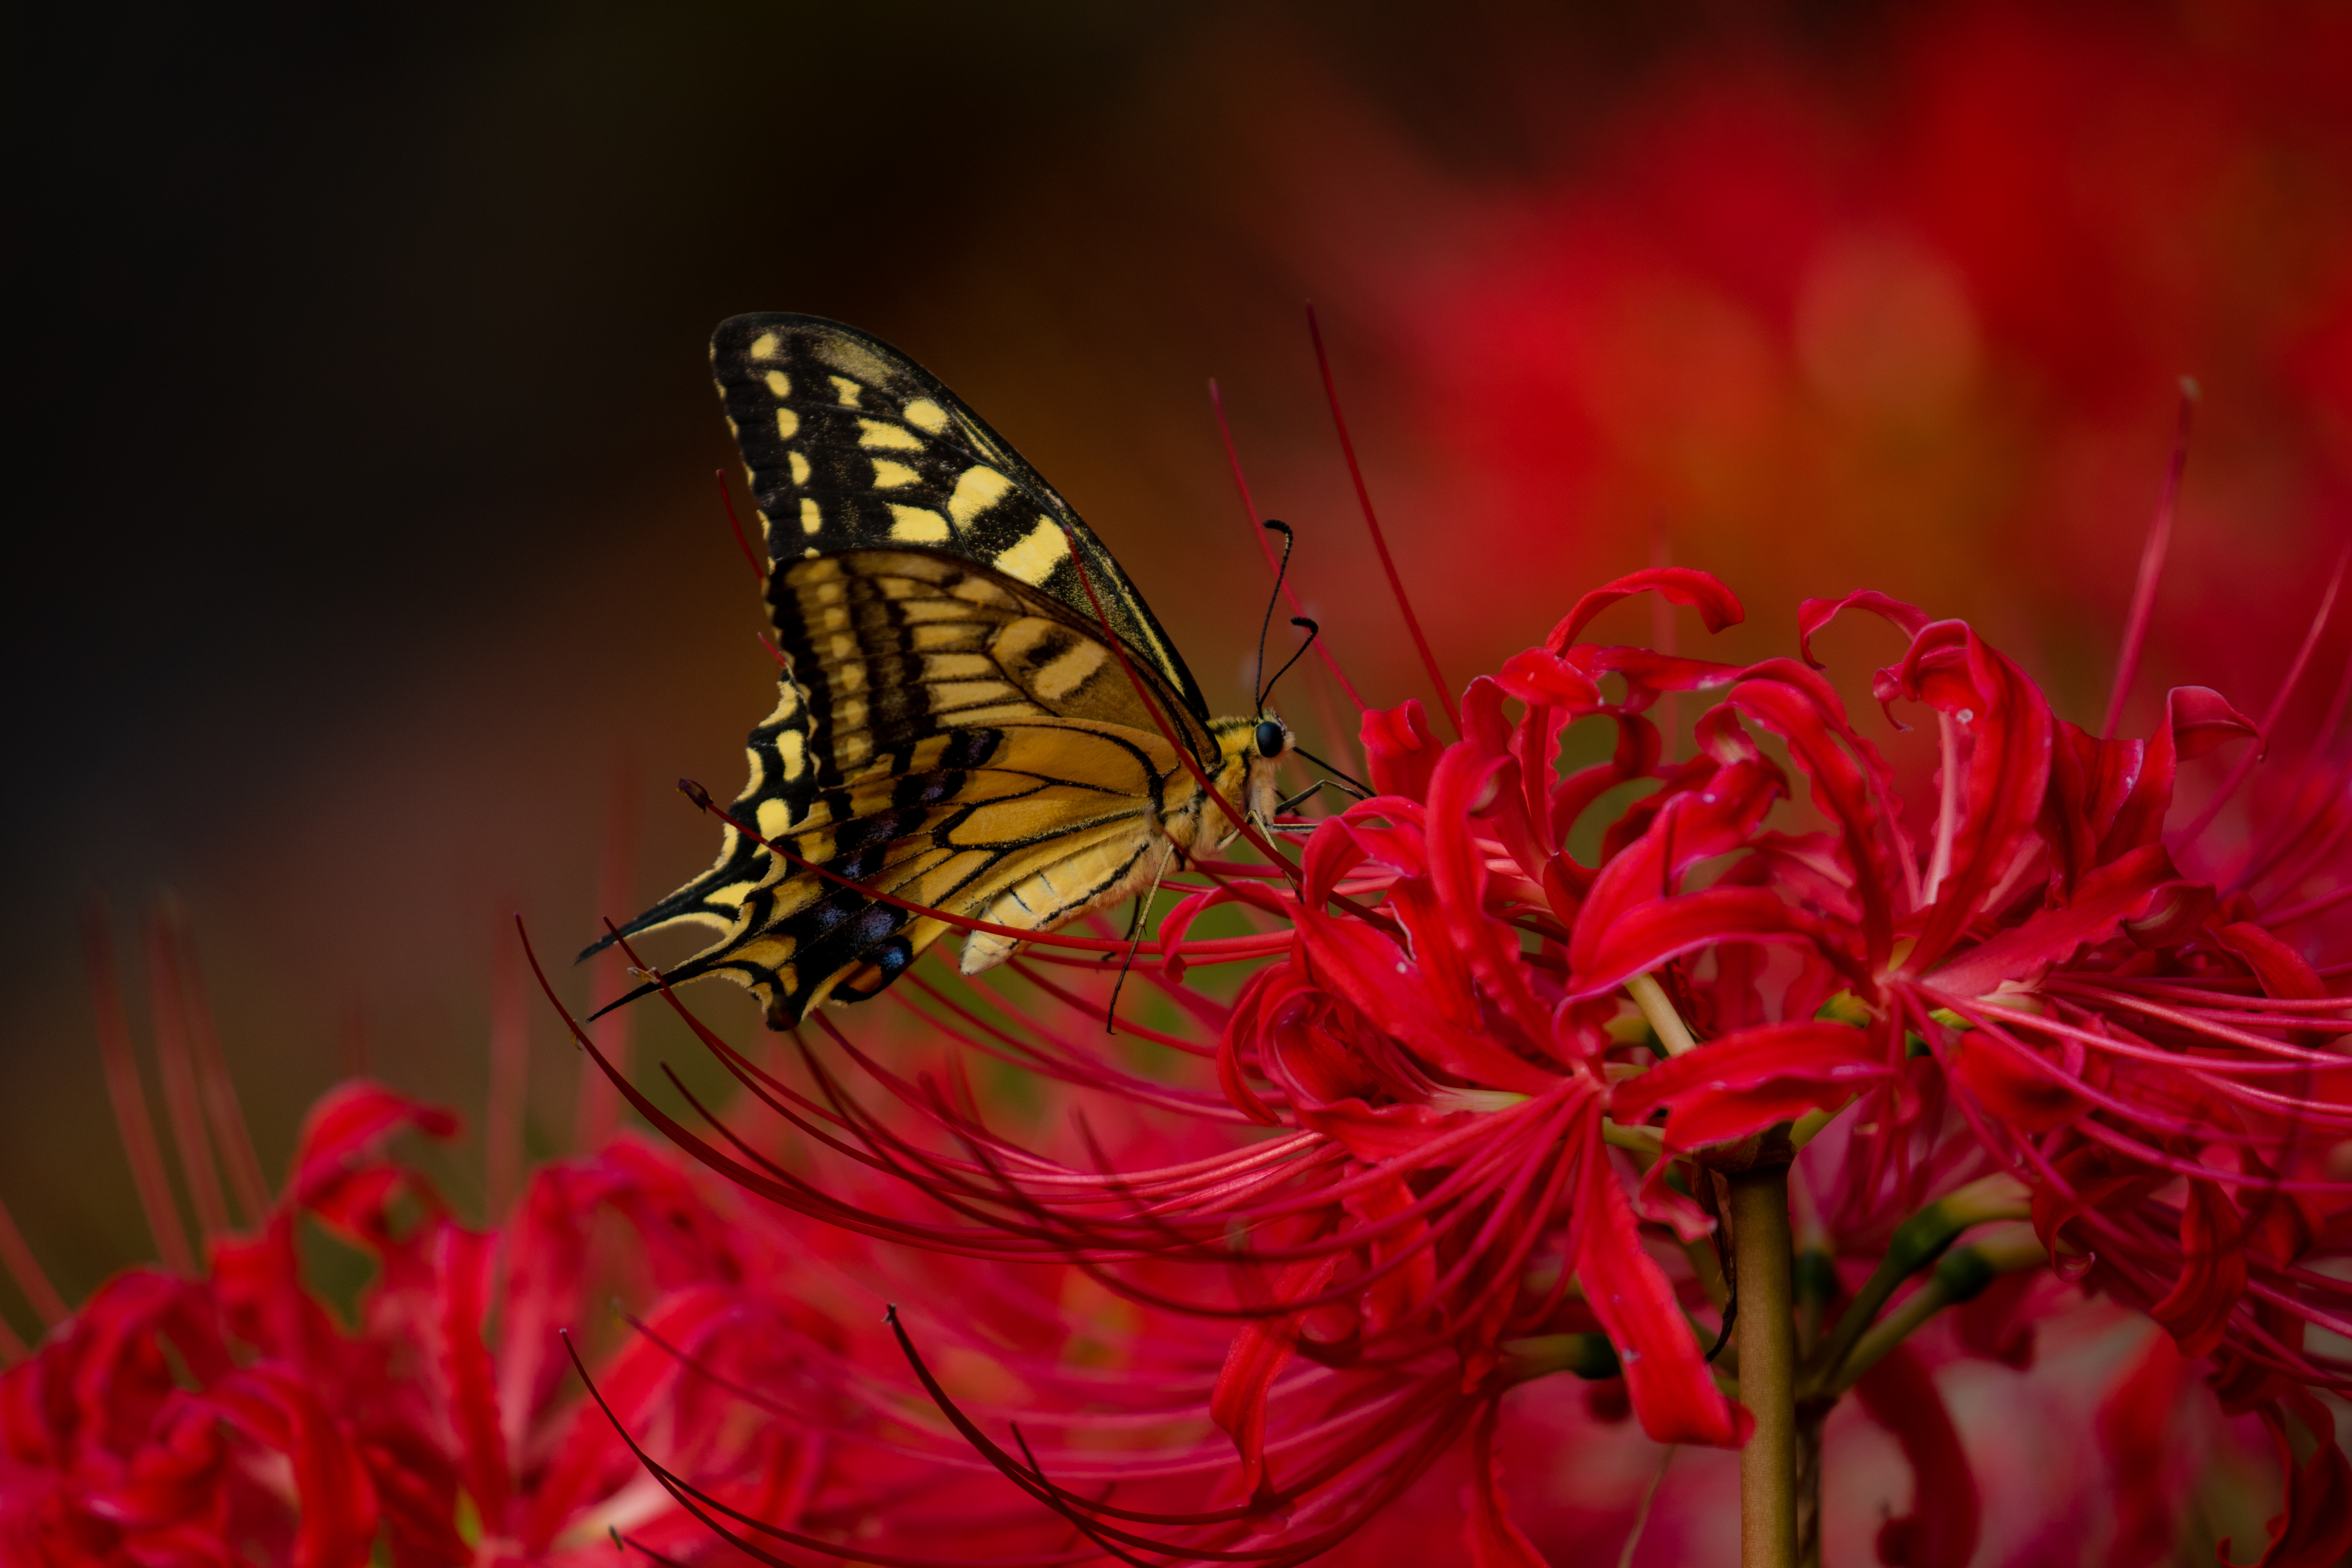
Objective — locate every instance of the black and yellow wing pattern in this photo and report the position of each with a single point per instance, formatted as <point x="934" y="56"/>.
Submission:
<point x="953" y="728"/>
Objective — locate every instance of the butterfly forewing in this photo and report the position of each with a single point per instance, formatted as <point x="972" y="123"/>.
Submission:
<point x="851" y="446"/>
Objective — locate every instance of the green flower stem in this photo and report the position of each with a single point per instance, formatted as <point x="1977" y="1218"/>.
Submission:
<point x="1960" y="1276"/>
<point x="1918" y="1242"/>
<point x="1768" y="1368"/>
<point x="1639" y="1139"/>
<point x="1651" y="997"/>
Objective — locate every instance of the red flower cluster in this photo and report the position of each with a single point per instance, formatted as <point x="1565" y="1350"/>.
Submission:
<point x="238" y="1418"/>
<point x="1472" y="1112"/>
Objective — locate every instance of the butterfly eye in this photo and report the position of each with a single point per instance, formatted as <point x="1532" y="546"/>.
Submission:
<point x="1271" y="737"/>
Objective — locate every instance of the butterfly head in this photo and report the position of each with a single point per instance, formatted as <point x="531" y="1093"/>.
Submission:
<point x="1250" y="752"/>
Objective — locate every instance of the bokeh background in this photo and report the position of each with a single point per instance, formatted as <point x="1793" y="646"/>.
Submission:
<point x="365" y="563"/>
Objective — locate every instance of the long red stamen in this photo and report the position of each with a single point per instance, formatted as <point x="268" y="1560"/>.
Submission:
<point x="138" y="1143"/>
<point x="1379" y="539"/>
<point x="502" y="1119"/>
<point x="2151" y="565"/>
<point x="2250" y="755"/>
<point x="25" y="1271"/>
<point x="232" y="1136"/>
<point x="735" y="526"/>
<point x="608" y="978"/>
<point x="176" y="1066"/>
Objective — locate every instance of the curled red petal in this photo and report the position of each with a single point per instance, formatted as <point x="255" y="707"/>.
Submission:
<point x="1749" y="1081"/>
<point x="1256" y="1358"/>
<point x="2200" y="719"/>
<point x="1941" y="1530"/>
<point x="1393" y="991"/>
<point x="352" y="1120"/>
<point x="1664" y="1372"/>
<point x="1953" y="671"/>
<point x="461" y="1260"/>
<point x="1717" y="605"/>
<point x="1493" y="1540"/>
<point x="1605" y="953"/>
<point x="2213" y="1271"/>
<point x="2136" y="1423"/>
<point x="2314" y="1527"/>
<point x="1539" y="675"/>
<point x="1815" y="614"/>
<point x="338" y="1511"/>
<point x="1458" y="871"/>
<point x="2107" y="898"/>
<point x="1398" y="748"/>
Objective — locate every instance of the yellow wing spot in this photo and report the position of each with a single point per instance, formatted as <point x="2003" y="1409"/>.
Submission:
<point x="812" y="520"/>
<point x="780" y="383"/>
<point x="800" y="469"/>
<point x="888" y="475"/>
<point x="926" y="415"/>
<point x="1040" y="550"/>
<point x="792" y="753"/>
<point x="951" y="694"/>
<point x="976" y="490"/>
<point x="845" y="646"/>
<point x="958" y="666"/>
<point x="880" y="434"/>
<point x="917" y="525"/>
<point x="765" y="345"/>
<point x="1069" y="672"/>
<point x="775" y="816"/>
<point x="810" y="551"/>
<point x="845" y="391"/>
<point x="788" y="423"/>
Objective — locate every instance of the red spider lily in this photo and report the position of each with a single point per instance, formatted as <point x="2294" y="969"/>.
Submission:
<point x="1438" y="1217"/>
<point x="2146" y="1054"/>
<point x="1440" y="1046"/>
<point x="236" y="1416"/>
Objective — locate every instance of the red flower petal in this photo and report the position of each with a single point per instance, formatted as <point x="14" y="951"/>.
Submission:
<point x="1814" y="614"/>
<point x="1493" y="1540"/>
<point x="2313" y="1530"/>
<point x="1256" y="1358"/>
<point x="1717" y="605"/>
<point x="2108" y="897"/>
<point x="461" y="1266"/>
<point x="2213" y="1271"/>
<point x="1749" y="1081"/>
<point x="1399" y="750"/>
<point x="1941" y="1530"/>
<point x="1664" y="1372"/>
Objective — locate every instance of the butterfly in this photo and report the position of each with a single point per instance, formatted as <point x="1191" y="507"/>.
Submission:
<point x="954" y="726"/>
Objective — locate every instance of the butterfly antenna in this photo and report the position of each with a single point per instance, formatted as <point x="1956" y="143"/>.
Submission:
<point x="1362" y="791"/>
<point x="1281" y="571"/>
<point x="1134" y="940"/>
<point x="1313" y="631"/>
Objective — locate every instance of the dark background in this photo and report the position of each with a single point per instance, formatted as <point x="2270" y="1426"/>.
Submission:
<point x="364" y="526"/>
<point x="364" y="542"/>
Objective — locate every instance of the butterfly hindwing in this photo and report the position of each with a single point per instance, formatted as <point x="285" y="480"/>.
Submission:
<point x="1052" y="812"/>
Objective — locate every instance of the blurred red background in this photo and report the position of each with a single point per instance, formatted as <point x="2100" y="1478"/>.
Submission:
<point x="371" y="539"/>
